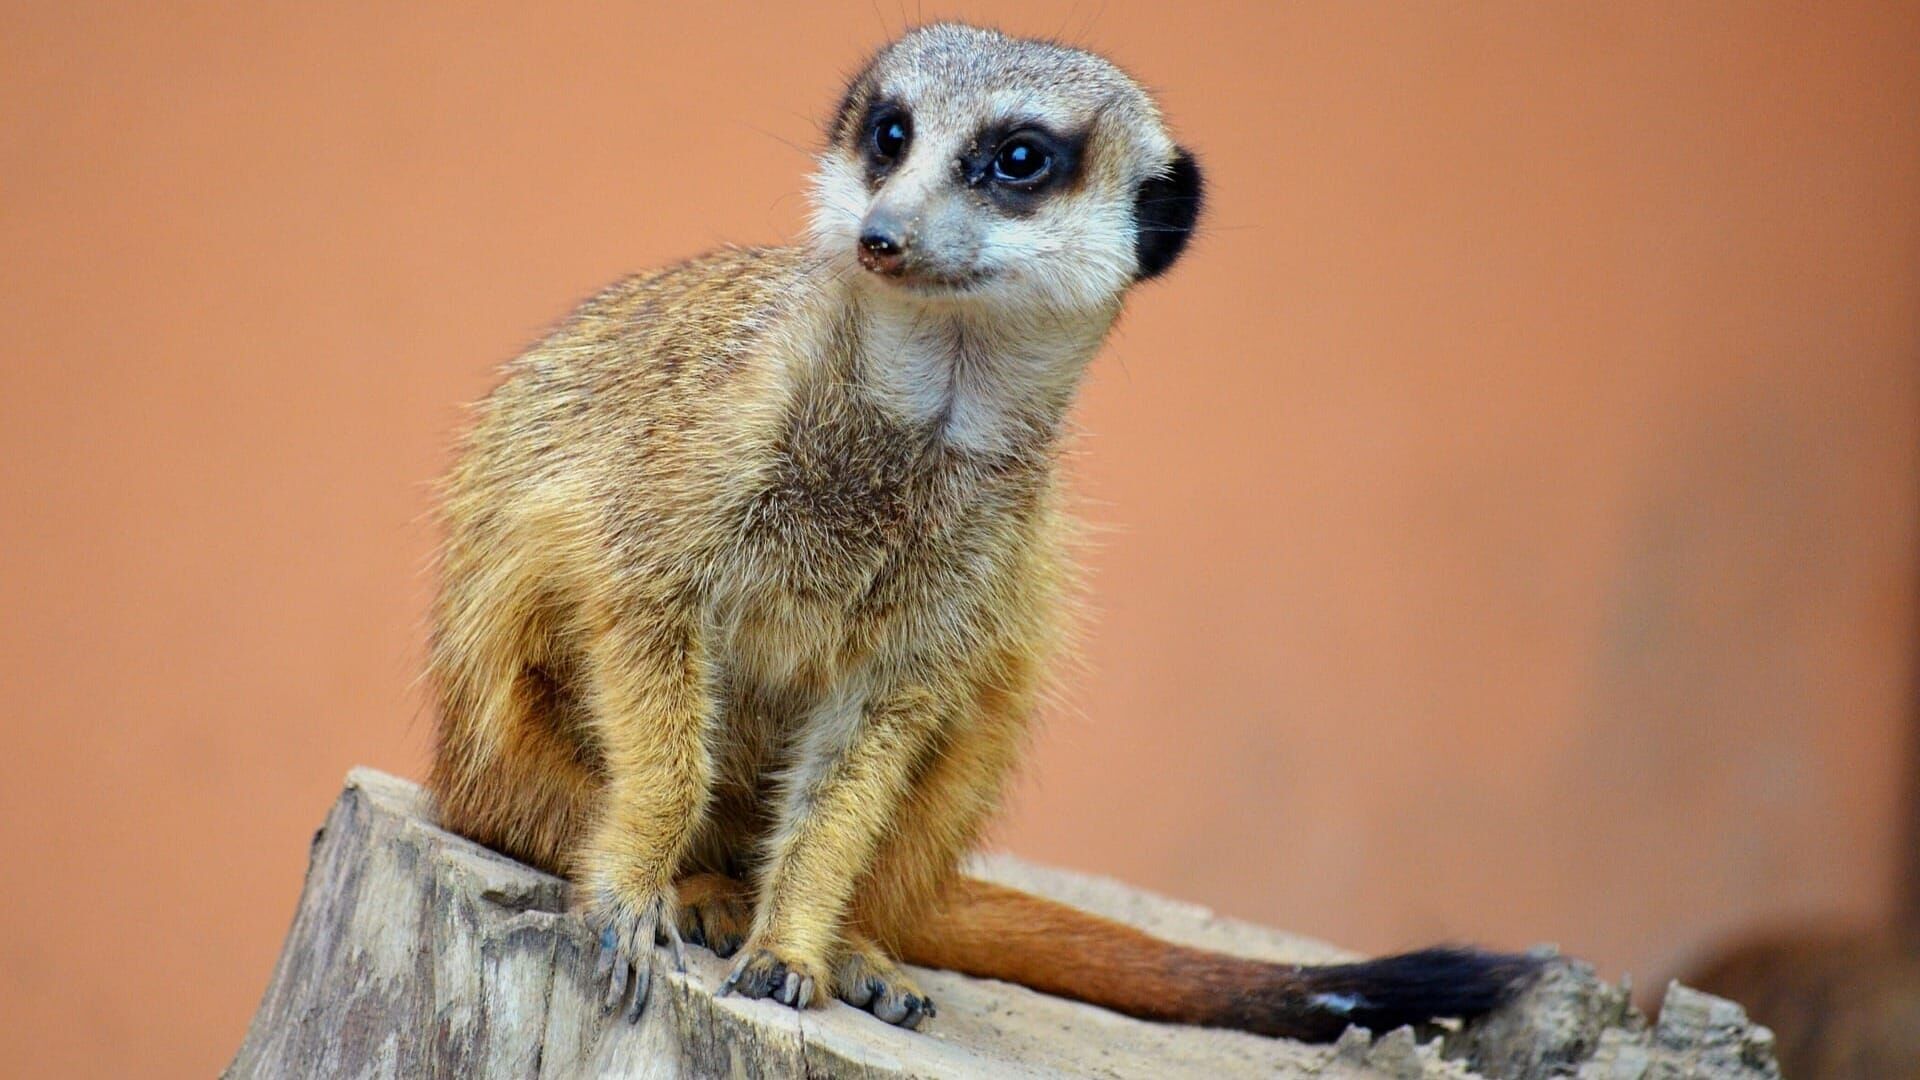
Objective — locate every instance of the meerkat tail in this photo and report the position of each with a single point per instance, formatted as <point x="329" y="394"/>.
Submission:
<point x="995" y="932"/>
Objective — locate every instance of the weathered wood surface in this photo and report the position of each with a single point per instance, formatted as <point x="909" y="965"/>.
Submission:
<point x="417" y="953"/>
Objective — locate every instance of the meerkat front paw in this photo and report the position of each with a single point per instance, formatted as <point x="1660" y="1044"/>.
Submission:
<point x="627" y="932"/>
<point x="870" y="979"/>
<point x="764" y="973"/>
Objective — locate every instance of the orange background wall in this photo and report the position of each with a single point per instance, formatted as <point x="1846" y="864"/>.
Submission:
<point x="1511" y="502"/>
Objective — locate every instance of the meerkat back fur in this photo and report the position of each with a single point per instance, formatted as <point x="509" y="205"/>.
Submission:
<point x="754" y="568"/>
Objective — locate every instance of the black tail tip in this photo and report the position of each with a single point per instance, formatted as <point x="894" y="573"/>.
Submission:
<point x="1415" y="987"/>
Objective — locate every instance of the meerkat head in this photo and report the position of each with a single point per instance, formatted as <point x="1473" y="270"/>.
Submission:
<point x="965" y="167"/>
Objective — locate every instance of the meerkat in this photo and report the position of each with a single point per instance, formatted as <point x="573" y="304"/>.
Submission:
<point x="755" y="566"/>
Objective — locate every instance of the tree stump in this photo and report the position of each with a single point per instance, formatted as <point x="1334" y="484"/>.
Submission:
<point x="417" y="953"/>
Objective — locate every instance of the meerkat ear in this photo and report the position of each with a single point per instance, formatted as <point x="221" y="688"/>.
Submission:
<point x="1164" y="214"/>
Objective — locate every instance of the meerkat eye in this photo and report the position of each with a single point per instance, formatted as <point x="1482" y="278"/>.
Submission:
<point x="1022" y="161"/>
<point x="891" y="133"/>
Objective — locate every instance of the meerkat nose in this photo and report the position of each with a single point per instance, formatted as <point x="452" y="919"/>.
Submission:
<point x="880" y="243"/>
<point x="883" y="244"/>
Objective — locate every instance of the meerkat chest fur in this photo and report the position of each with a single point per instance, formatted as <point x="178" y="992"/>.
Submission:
<point x="903" y="467"/>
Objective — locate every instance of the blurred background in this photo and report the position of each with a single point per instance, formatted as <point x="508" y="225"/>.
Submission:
<point x="1508" y="507"/>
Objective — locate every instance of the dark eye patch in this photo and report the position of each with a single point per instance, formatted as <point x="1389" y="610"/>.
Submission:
<point x="1016" y="164"/>
<point x="853" y="106"/>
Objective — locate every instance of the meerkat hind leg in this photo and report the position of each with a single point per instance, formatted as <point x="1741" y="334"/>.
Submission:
<point x="716" y="913"/>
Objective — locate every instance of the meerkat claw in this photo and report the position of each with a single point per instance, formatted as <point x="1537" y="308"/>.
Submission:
<point x="757" y="975"/>
<point x="609" y="951"/>
<point x="668" y="934"/>
<point x="762" y="974"/>
<point x="902" y="1010"/>
<point x="871" y="981"/>
<point x="616" y="985"/>
<point x="625" y="961"/>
